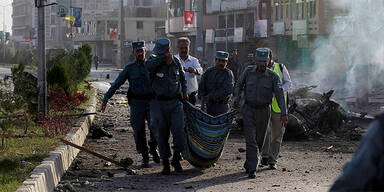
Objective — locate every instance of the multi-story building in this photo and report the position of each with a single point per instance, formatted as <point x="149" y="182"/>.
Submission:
<point x="24" y="26"/>
<point x="230" y="26"/>
<point x="98" y="27"/>
<point x="295" y="25"/>
<point x="22" y="22"/>
<point x="143" y="20"/>
<point x="289" y="27"/>
<point x="174" y="24"/>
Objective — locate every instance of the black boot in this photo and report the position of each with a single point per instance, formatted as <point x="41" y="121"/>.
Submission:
<point x="153" y="151"/>
<point x="252" y="174"/>
<point x="176" y="162"/>
<point x="145" y="163"/>
<point x="166" y="168"/>
<point x="264" y="161"/>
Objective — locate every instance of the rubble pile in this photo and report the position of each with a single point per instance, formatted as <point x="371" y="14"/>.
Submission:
<point x="316" y="115"/>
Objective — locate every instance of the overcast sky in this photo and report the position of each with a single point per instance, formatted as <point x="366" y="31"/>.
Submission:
<point x="8" y="13"/>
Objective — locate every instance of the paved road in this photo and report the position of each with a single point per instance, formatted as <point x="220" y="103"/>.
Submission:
<point x="4" y="70"/>
<point x="103" y="70"/>
<point x="303" y="166"/>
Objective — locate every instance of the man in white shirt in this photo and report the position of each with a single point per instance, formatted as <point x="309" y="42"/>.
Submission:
<point x="191" y="66"/>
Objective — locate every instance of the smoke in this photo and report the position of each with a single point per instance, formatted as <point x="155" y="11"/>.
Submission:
<point x="351" y="59"/>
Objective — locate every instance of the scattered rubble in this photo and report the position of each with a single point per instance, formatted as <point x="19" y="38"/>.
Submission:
<point x="98" y="132"/>
<point x="317" y="115"/>
<point x="241" y="150"/>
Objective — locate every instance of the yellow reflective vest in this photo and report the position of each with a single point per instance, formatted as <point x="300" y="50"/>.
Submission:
<point x="276" y="69"/>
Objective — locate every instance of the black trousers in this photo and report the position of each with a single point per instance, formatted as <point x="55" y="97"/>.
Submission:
<point x="192" y="98"/>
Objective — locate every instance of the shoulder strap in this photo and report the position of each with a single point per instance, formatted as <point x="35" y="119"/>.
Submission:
<point x="281" y="66"/>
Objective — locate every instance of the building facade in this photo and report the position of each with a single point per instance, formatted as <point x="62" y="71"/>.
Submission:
<point x="23" y="22"/>
<point x="175" y="25"/>
<point x="143" y="20"/>
<point x="289" y="27"/>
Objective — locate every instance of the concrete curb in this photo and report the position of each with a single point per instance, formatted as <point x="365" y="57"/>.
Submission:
<point x="46" y="176"/>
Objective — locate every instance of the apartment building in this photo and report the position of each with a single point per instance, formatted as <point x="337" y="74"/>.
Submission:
<point x="289" y="27"/>
<point x="24" y="26"/>
<point x="23" y="22"/>
<point x="143" y="20"/>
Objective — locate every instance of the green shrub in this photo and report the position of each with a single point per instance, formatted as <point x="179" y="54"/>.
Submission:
<point x="74" y="67"/>
<point x="25" y="86"/>
<point x="58" y="77"/>
<point x="87" y="50"/>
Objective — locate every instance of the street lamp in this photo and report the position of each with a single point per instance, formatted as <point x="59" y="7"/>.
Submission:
<point x="3" y="6"/>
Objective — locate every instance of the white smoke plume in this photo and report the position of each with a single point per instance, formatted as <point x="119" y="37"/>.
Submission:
<point x="353" y="51"/>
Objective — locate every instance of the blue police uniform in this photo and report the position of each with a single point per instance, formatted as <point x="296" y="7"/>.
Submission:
<point x="259" y="87"/>
<point x="365" y="171"/>
<point x="139" y="96"/>
<point x="168" y="83"/>
<point x="217" y="86"/>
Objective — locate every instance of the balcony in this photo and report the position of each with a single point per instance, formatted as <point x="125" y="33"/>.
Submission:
<point x="19" y="27"/>
<point x="222" y="35"/>
<point x="148" y="12"/>
<point x="213" y="6"/>
<point x="88" y="37"/>
<point x="176" y="25"/>
<point x="16" y="3"/>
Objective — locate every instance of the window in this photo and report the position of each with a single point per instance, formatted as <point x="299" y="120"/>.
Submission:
<point x="53" y="20"/>
<point x="176" y="8"/>
<point x="230" y="21"/>
<point x="147" y="2"/>
<point x="240" y="20"/>
<point x="250" y="24"/>
<point x="143" y="12"/>
<point x="193" y="5"/>
<point x="159" y="24"/>
<point x="139" y="24"/>
<point x="313" y="9"/>
<point x="53" y="9"/>
<point x="263" y="10"/>
<point x="287" y="11"/>
<point x="222" y="22"/>
<point x="278" y="11"/>
<point x="299" y="11"/>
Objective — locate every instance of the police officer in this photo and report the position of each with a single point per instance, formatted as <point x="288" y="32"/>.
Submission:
<point x="169" y="84"/>
<point x="275" y="131"/>
<point x="365" y="171"/>
<point x="216" y="86"/>
<point x="259" y="85"/>
<point x="139" y="96"/>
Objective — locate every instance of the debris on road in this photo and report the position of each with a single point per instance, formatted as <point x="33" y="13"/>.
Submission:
<point x="241" y="150"/>
<point x="99" y="132"/>
<point x="127" y="161"/>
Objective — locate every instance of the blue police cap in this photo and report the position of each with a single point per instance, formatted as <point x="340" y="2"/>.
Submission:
<point x="262" y="54"/>
<point x="137" y="45"/>
<point x="161" y="46"/>
<point x="222" y="55"/>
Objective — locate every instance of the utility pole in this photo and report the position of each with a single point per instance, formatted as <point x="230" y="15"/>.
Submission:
<point x="42" y="107"/>
<point x="226" y="31"/>
<point x="4" y="39"/>
<point x="199" y="31"/>
<point x="269" y="18"/>
<point x="42" y="76"/>
<point x="120" y="50"/>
